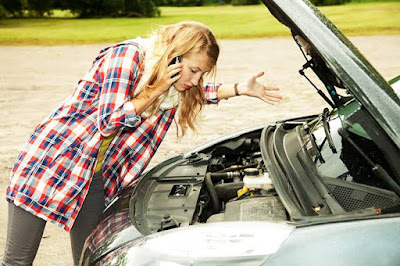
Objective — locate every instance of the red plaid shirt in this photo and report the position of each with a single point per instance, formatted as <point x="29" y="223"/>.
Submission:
<point x="52" y="173"/>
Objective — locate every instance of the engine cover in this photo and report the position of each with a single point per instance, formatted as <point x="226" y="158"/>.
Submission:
<point x="166" y="197"/>
<point x="252" y="209"/>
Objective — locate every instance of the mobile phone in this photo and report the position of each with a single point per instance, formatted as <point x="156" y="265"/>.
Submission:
<point x="176" y="60"/>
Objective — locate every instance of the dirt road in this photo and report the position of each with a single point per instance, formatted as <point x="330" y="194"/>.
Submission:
<point x="35" y="80"/>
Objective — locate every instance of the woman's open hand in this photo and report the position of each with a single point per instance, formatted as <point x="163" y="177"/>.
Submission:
<point x="255" y="89"/>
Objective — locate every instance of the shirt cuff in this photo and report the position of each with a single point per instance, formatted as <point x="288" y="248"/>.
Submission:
<point x="131" y="118"/>
<point x="211" y="92"/>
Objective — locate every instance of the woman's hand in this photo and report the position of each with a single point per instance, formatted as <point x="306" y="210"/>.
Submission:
<point x="172" y="75"/>
<point x="141" y="103"/>
<point x="253" y="88"/>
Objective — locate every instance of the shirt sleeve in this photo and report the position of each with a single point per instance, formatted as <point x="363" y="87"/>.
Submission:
<point x="120" y="71"/>
<point x="211" y="93"/>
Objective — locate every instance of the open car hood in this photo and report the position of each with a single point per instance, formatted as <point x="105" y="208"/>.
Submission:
<point x="345" y="62"/>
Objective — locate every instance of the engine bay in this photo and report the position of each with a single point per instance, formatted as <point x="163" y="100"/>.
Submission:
<point x="207" y="187"/>
<point x="229" y="181"/>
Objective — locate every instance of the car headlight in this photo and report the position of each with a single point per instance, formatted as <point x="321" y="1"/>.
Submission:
<point x="230" y="243"/>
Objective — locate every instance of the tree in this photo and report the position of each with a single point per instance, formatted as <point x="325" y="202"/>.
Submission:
<point x="3" y="12"/>
<point x="179" y="2"/>
<point x="329" y="2"/>
<point x="14" y="7"/>
<point x="245" y="2"/>
<point x="40" y="7"/>
<point x="101" y="8"/>
<point x="146" y="8"/>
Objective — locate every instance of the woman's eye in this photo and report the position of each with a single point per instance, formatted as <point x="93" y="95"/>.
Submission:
<point x="193" y="71"/>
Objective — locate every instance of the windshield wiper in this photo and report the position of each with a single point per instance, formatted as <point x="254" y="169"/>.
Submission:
<point x="328" y="137"/>
<point x="378" y="170"/>
<point x="327" y="130"/>
<point x="318" y="154"/>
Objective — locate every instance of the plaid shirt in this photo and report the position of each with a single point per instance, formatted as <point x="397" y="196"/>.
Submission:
<point x="52" y="173"/>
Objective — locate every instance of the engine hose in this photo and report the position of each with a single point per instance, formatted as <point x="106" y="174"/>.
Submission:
<point x="250" y="165"/>
<point x="213" y="194"/>
<point x="226" y="175"/>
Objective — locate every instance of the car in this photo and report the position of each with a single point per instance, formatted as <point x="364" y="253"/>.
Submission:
<point x="314" y="190"/>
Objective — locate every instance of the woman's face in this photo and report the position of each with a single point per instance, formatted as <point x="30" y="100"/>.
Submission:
<point x="193" y="68"/>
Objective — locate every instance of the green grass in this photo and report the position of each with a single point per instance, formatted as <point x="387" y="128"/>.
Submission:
<point x="369" y="1"/>
<point x="227" y="22"/>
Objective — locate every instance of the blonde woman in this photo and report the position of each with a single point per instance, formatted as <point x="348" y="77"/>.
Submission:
<point x="103" y="136"/>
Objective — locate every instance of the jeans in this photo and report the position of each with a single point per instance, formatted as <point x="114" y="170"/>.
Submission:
<point x="25" y="230"/>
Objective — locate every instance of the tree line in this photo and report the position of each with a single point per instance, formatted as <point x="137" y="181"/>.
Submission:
<point x="82" y="8"/>
<point x="113" y="8"/>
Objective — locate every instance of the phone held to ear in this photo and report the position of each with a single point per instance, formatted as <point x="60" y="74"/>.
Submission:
<point x="176" y="60"/>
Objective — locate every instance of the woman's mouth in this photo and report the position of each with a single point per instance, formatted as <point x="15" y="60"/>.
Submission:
<point x="186" y="87"/>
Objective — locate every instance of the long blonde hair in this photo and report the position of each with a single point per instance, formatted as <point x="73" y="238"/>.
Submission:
<point x="179" y="39"/>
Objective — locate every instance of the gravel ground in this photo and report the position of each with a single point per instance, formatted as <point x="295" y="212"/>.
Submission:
<point x="35" y="80"/>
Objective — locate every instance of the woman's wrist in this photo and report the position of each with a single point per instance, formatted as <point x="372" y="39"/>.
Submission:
<point x="235" y="87"/>
<point x="226" y="91"/>
<point x="239" y="89"/>
<point x="159" y="91"/>
<point x="141" y="102"/>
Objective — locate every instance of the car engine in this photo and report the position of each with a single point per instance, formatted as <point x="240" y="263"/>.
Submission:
<point x="207" y="186"/>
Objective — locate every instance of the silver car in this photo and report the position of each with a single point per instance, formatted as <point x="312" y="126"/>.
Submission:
<point x="316" y="190"/>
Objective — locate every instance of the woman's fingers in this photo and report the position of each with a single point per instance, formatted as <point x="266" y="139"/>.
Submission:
<point x="174" y="75"/>
<point x="258" y="75"/>
<point x="268" y="100"/>
<point x="256" y="89"/>
<point x="174" y="72"/>
<point x="274" y="96"/>
<point x="269" y="97"/>
<point x="272" y="88"/>
<point x="272" y="99"/>
<point x="174" y="79"/>
<point x="174" y="66"/>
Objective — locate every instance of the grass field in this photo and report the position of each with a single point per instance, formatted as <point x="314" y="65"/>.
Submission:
<point x="227" y="22"/>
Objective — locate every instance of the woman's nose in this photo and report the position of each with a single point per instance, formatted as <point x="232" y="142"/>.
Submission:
<point x="195" y="81"/>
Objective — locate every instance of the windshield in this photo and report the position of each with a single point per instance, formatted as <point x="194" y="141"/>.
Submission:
<point x="346" y="163"/>
<point x="341" y="149"/>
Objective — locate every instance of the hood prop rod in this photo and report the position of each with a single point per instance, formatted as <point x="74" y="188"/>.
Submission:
<point x="321" y="93"/>
<point x="307" y="65"/>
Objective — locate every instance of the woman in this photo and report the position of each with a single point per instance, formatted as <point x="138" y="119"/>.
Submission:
<point x="104" y="135"/>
